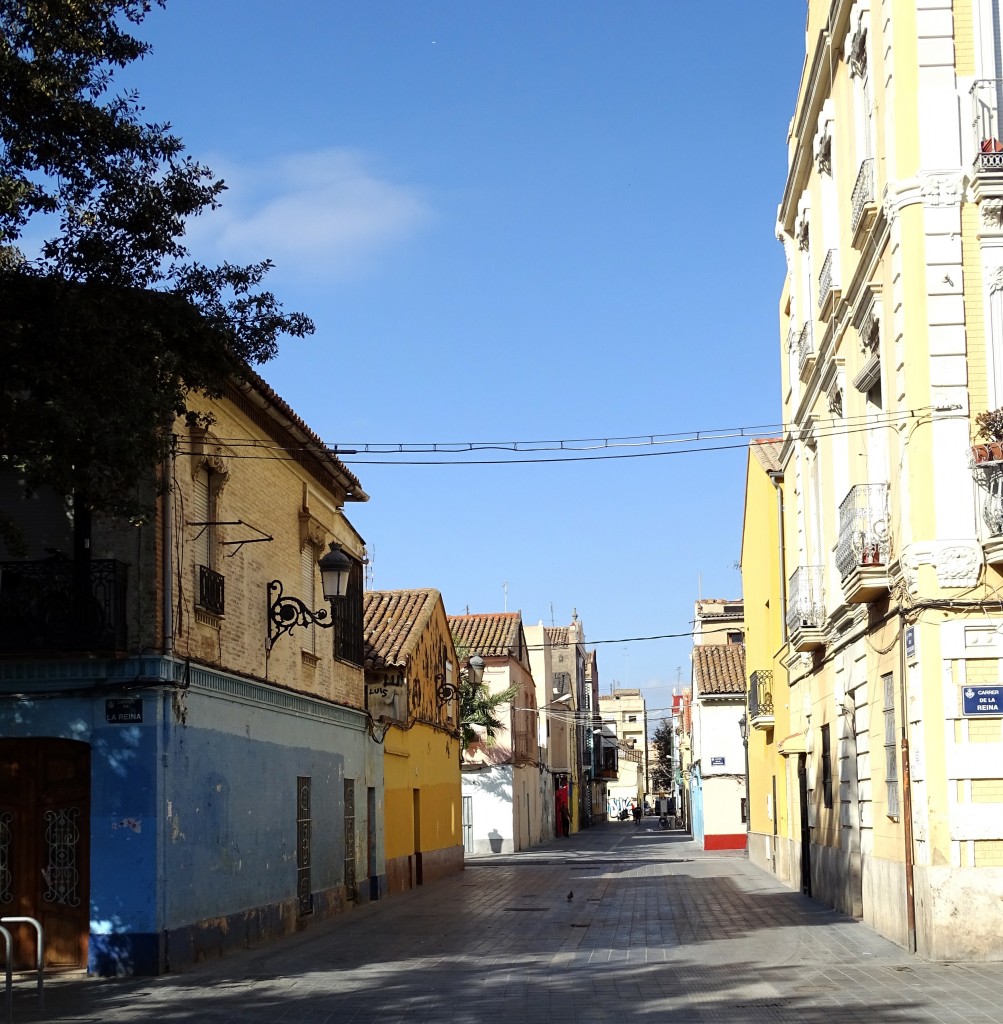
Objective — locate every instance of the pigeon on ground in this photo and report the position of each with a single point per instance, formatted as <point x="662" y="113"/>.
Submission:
<point x="571" y="895"/>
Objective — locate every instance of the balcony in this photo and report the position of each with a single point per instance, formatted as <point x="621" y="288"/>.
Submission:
<point x="828" y="285"/>
<point x="45" y="609"/>
<point x="863" y="549"/>
<point x="211" y="590"/>
<point x="989" y="477"/>
<point x="987" y="100"/>
<point x="862" y="206"/>
<point x="806" y="608"/>
<point x="806" y="351"/>
<point x="761" y="699"/>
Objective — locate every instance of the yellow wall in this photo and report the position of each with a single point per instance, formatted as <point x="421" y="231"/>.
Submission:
<point x="764" y="611"/>
<point x="424" y="756"/>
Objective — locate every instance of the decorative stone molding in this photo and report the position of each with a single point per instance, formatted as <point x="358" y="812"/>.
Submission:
<point x="856" y="50"/>
<point x="995" y="280"/>
<point x="822" y="143"/>
<point x="942" y="189"/>
<point x="835" y="399"/>
<point x="207" y="453"/>
<point x="801" y="232"/>
<point x="312" y="531"/>
<point x="958" y="563"/>
<point x="991" y="213"/>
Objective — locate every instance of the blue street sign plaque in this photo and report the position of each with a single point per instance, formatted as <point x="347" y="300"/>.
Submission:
<point x="982" y="700"/>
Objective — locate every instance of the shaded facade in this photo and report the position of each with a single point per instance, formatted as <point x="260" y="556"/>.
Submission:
<point x="187" y="763"/>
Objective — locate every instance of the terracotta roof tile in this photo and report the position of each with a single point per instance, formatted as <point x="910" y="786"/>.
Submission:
<point x="495" y="634"/>
<point x="767" y="452"/>
<point x="557" y="636"/>
<point x="393" y="621"/>
<point x="719" y="669"/>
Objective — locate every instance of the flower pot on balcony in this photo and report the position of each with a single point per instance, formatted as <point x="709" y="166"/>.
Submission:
<point x="992" y="451"/>
<point x="992" y="146"/>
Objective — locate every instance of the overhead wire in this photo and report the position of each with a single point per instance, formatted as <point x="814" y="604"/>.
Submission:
<point x="569" y="450"/>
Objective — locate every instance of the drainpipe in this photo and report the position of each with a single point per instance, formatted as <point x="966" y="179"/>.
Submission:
<point x="775" y="479"/>
<point x="167" y="526"/>
<point x="910" y="891"/>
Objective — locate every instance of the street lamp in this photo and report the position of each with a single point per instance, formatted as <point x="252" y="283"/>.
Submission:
<point x="743" y="728"/>
<point x="285" y="612"/>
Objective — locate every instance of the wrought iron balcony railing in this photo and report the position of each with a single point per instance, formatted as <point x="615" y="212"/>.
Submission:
<point x="987" y="101"/>
<point x="990" y="480"/>
<point x="828" y="278"/>
<point x="806" y="345"/>
<point x="211" y="590"/>
<point x="805" y="599"/>
<point x="863" y="192"/>
<point x="761" y="694"/>
<point x="44" y="607"/>
<point x="863" y="529"/>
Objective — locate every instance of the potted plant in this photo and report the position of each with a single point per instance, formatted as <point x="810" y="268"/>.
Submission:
<point x="990" y="429"/>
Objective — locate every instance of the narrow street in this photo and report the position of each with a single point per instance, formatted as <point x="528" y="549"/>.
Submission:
<point x="656" y="931"/>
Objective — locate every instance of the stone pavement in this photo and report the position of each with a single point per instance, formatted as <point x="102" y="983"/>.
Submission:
<point x="657" y="931"/>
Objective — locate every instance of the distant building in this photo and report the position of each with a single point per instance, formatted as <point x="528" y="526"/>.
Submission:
<point x="717" y="790"/>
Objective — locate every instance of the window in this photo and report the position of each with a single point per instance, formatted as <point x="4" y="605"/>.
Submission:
<point x="349" y="641"/>
<point x="308" y="588"/>
<point x="209" y="582"/>
<point x="826" y="767"/>
<point x="304" y="842"/>
<point x="891" y="747"/>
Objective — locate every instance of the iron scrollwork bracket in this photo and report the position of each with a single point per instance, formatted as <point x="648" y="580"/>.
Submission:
<point x="445" y="692"/>
<point x="285" y="613"/>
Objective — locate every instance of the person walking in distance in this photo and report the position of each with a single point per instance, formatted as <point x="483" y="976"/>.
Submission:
<point x="565" y="820"/>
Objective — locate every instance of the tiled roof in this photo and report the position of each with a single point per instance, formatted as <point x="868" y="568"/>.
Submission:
<point x="767" y="451"/>
<point x="393" y="622"/>
<point x="296" y="425"/>
<point x="719" y="668"/>
<point x="495" y="634"/>
<point x="557" y="636"/>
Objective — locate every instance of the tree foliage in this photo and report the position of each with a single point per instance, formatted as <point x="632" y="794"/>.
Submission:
<point x="108" y="324"/>
<point x="661" y="769"/>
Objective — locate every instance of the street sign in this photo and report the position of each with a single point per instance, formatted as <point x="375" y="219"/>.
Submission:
<point x="717" y="762"/>
<point x="982" y="701"/>
<point x="120" y="710"/>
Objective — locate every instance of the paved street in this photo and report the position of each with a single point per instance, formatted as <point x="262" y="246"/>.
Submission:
<point x="657" y="931"/>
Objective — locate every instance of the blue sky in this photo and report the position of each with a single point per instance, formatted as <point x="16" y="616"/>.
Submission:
<point x="512" y="221"/>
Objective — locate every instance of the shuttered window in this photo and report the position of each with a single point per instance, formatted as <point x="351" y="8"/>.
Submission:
<point x="308" y="588"/>
<point x="202" y="543"/>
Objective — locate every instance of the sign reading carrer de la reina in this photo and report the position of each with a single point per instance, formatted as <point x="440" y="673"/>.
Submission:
<point x="982" y="700"/>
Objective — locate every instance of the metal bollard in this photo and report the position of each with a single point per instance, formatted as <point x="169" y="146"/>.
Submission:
<point x="9" y="999"/>
<point x="39" y="949"/>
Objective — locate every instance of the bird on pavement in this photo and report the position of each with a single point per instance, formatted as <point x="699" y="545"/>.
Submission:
<point x="571" y="895"/>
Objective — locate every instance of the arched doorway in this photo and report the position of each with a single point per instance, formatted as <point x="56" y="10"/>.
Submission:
<point x="45" y="846"/>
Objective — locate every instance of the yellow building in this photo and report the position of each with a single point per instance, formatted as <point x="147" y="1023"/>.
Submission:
<point x="411" y="675"/>
<point x="892" y="338"/>
<point x="775" y="754"/>
<point x="624" y="711"/>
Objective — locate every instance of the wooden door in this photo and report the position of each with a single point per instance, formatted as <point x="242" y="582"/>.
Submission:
<point x="45" y="846"/>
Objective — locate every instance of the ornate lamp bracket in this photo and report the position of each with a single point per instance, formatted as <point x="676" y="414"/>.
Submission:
<point x="285" y="613"/>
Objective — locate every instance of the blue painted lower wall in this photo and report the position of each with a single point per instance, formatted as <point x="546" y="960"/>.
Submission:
<point x="194" y="827"/>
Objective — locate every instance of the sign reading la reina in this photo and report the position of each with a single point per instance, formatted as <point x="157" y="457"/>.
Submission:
<point x="982" y="700"/>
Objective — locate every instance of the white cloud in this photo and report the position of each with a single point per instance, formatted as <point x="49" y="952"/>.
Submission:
<point x="324" y="214"/>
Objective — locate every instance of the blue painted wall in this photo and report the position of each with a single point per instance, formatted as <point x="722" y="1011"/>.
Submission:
<point x="193" y="812"/>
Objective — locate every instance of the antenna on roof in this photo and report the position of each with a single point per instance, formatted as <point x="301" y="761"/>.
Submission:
<point x="552" y="613"/>
<point x="505" y="588"/>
